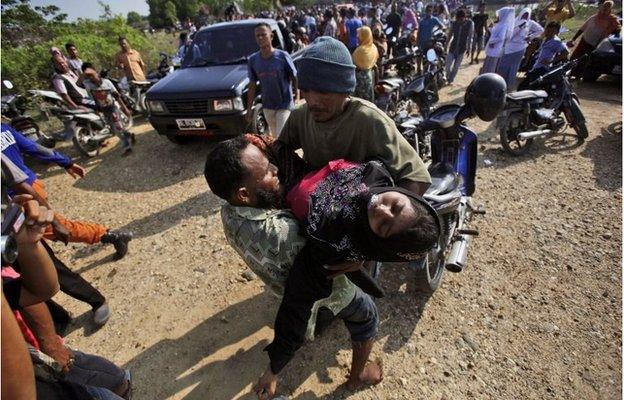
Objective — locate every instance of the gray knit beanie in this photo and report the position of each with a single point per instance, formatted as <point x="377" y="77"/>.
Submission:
<point x="326" y="66"/>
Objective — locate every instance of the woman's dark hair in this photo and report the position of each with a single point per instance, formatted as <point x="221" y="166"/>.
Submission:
<point x="424" y="231"/>
<point x="69" y="45"/>
<point x="224" y="171"/>
<point x="555" y="25"/>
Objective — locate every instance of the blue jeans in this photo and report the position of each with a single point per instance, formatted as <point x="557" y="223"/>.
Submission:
<point x="453" y="61"/>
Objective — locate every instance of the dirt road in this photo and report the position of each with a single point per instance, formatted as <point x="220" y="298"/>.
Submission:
<point x="536" y="314"/>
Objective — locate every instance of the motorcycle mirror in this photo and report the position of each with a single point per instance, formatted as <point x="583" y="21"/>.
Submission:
<point x="431" y="55"/>
<point x="409" y="26"/>
<point x="388" y="30"/>
<point x="7" y="84"/>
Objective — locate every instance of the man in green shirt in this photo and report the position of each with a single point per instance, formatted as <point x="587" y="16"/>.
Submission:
<point x="333" y="125"/>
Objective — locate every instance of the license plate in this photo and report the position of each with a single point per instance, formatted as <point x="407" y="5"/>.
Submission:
<point x="190" y="124"/>
<point x="617" y="70"/>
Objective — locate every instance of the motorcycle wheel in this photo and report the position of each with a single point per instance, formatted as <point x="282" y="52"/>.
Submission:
<point x="510" y="142"/>
<point x="82" y="144"/>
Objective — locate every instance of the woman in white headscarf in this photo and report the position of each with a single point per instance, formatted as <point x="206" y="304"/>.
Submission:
<point x="500" y="34"/>
<point x="524" y="31"/>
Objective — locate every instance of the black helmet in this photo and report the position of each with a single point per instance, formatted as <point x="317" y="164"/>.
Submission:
<point x="486" y="96"/>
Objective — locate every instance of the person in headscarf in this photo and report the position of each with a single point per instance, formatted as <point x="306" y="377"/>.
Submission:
<point x="365" y="59"/>
<point x="409" y="20"/>
<point x="525" y="30"/>
<point x="499" y="35"/>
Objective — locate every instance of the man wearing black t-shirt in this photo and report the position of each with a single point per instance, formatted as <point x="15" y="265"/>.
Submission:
<point x="393" y="20"/>
<point x="480" y="28"/>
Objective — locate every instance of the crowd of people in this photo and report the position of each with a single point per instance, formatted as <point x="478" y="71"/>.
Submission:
<point x="310" y="227"/>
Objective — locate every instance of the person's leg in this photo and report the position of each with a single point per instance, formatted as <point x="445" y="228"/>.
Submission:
<point x="581" y="49"/>
<point x="458" y="58"/>
<point x="450" y="60"/>
<point x="271" y="119"/>
<point x="280" y="120"/>
<point x="73" y="284"/>
<point x="514" y="66"/>
<point x="502" y="68"/>
<point x="362" y="320"/>
<point x="480" y="42"/>
<point x="92" y="370"/>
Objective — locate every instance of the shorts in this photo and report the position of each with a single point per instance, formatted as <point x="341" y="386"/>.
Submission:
<point x="361" y="317"/>
<point x="478" y="41"/>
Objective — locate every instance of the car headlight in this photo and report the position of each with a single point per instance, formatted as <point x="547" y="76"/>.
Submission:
<point x="228" y="104"/>
<point x="605" y="46"/>
<point x="156" y="106"/>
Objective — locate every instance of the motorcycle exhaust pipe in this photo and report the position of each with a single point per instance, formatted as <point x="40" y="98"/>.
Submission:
<point x="532" y="134"/>
<point x="456" y="260"/>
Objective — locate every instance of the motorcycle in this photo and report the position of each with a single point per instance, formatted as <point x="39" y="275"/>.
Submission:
<point x="453" y="172"/>
<point x="132" y="92"/>
<point x="14" y="112"/>
<point x="423" y="91"/>
<point x="87" y="129"/>
<point x="538" y="113"/>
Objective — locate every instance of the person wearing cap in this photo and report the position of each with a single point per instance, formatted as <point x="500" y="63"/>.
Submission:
<point x="333" y="125"/>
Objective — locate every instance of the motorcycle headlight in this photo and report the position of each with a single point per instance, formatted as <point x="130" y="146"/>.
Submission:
<point x="156" y="106"/>
<point x="605" y="46"/>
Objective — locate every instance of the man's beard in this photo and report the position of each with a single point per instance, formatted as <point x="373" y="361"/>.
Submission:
<point x="269" y="199"/>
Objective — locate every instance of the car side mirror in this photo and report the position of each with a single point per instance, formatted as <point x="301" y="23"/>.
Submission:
<point x="7" y="84"/>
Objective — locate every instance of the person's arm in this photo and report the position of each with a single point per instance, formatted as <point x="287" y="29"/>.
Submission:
<point x="399" y="157"/>
<point x="39" y="152"/>
<point x="295" y="85"/>
<point x="561" y="56"/>
<point x="292" y="73"/>
<point x="18" y="376"/>
<point x="38" y="275"/>
<point x="450" y="36"/>
<point x="142" y="64"/>
<point x="251" y="92"/>
<point x="39" y="320"/>
<point x="535" y="30"/>
<point x="122" y="104"/>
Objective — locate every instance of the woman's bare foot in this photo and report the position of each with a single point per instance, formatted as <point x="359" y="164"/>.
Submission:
<point x="372" y="375"/>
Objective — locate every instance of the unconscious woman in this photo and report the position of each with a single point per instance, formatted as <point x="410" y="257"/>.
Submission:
<point x="365" y="59"/>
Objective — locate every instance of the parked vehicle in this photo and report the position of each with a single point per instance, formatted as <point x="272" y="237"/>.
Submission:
<point x="543" y="112"/>
<point x="453" y="170"/>
<point x="14" y="112"/>
<point x="605" y="59"/>
<point x="86" y="128"/>
<point x="207" y="96"/>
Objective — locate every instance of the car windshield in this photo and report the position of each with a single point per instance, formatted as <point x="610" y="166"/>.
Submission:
<point x="221" y="46"/>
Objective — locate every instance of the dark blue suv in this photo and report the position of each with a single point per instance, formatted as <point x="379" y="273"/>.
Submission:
<point x="207" y="96"/>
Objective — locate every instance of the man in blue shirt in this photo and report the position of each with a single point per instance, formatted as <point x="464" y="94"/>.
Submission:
<point x="553" y="50"/>
<point x="63" y="229"/>
<point x="425" y="31"/>
<point x="277" y="75"/>
<point x="353" y="24"/>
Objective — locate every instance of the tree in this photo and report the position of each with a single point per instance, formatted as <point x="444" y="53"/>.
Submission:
<point x="170" y="15"/>
<point x="186" y="9"/>
<point x="134" y="19"/>
<point x="107" y="12"/>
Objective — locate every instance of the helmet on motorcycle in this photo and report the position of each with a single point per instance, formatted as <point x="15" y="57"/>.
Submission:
<point x="486" y="95"/>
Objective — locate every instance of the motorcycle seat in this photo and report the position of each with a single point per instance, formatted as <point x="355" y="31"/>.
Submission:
<point x="527" y="95"/>
<point x="395" y="83"/>
<point x="444" y="179"/>
<point x="79" y="111"/>
<point x="141" y="83"/>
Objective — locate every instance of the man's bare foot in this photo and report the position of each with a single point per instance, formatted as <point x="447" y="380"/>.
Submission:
<point x="371" y="376"/>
